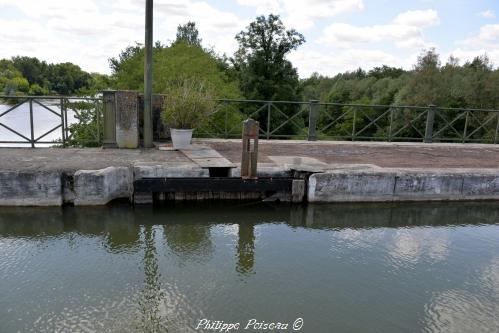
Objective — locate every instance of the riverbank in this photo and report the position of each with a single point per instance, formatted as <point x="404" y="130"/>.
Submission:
<point x="324" y="172"/>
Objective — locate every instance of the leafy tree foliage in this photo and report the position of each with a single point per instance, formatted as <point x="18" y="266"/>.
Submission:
<point x="265" y="73"/>
<point x="189" y="34"/>
<point x="263" y="70"/>
<point x="27" y="75"/>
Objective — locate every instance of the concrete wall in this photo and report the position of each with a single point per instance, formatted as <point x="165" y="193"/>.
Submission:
<point x="34" y="188"/>
<point x="403" y="185"/>
<point x="98" y="187"/>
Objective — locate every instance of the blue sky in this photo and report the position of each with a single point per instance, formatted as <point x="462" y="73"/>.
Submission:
<point x="341" y="34"/>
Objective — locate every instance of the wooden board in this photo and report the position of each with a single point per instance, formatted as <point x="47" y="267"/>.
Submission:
<point x="206" y="157"/>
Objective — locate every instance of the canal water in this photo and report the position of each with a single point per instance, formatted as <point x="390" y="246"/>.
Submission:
<point x="324" y="268"/>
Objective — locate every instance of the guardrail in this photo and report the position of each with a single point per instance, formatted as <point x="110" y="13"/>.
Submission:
<point x="80" y="121"/>
<point x="59" y="113"/>
<point x="315" y="121"/>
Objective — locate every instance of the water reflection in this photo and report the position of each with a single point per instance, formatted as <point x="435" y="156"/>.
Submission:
<point x="151" y="301"/>
<point x="187" y="228"/>
<point x="157" y="268"/>
<point x="246" y="248"/>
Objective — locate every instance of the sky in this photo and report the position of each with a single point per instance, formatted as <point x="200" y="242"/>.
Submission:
<point x="341" y="35"/>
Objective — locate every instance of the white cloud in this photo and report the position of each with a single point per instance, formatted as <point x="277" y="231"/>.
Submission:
<point x="485" y="42"/>
<point x="344" y="35"/>
<point x="418" y="18"/>
<point x="488" y="14"/>
<point x="406" y="31"/>
<point x="303" y="14"/>
<point x="332" y="62"/>
<point x="90" y="32"/>
<point x="488" y="37"/>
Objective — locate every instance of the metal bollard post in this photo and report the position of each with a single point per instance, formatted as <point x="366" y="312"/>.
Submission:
<point x="251" y="129"/>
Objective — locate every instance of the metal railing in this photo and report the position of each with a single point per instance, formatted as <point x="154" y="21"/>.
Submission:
<point x="332" y="121"/>
<point x="80" y="121"/>
<point x="47" y="115"/>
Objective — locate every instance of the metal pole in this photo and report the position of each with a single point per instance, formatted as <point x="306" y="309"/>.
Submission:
<point x="148" y="76"/>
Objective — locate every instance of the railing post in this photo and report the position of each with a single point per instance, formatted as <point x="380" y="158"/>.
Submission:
<point x="268" y="120"/>
<point x="32" y="128"/>
<point x="109" y="110"/>
<point x="390" y="129"/>
<point x="63" y="138"/>
<point x="430" y="119"/>
<point x="496" y="136"/>
<point x="466" y="126"/>
<point x="353" y="124"/>
<point x="226" y="120"/>
<point x="312" y="120"/>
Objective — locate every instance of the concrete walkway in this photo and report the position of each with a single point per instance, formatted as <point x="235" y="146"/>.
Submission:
<point x="383" y="154"/>
<point x="391" y="155"/>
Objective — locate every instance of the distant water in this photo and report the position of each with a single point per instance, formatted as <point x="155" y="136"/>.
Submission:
<point x="341" y="268"/>
<point x="19" y="121"/>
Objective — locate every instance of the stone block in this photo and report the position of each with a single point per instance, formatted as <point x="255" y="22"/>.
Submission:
<point x="481" y="186"/>
<point x="98" y="187"/>
<point x="345" y="186"/>
<point x="34" y="188"/>
<point x="428" y="186"/>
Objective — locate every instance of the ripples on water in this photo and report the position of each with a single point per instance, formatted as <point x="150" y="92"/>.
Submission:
<point x="376" y="268"/>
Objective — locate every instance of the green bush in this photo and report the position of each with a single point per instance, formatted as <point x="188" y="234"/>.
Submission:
<point x="188" y="103"/>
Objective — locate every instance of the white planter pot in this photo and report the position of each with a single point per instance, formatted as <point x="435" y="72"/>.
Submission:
<point x="181" y="138"/>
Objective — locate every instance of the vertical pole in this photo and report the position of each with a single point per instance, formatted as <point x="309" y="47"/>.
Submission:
<point x="312" y="120"/>
<point x="226" y="119"/>
<point x="249" y="157"/>
<point x="148" y="76"/>
<point x="430" y="119"/>
<point x="354" y="121"/>
<point x="97" y="114"/>
<point x="390" y="129"/>
<point x="66" y="128"/>
<point x="496" y="136"/>
<point x="63" y="138"/>
<point x="31" y="123"/>
<point x="268" y="120"/>
<point x="465" y="127"/>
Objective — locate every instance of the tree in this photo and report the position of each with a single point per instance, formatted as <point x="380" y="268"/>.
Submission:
<point x="425" y="85"/>
<point x="264" y="71"/>
<point x="189" y="34"/>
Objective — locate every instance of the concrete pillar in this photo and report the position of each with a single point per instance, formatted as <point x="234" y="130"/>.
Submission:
<point x="109" y="135"/>
<point x="127" y="120"/>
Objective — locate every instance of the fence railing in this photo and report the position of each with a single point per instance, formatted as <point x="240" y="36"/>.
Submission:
<point x="321" y="121"/>
<point x="78" y="121"/>
<point x="51" y="120"/>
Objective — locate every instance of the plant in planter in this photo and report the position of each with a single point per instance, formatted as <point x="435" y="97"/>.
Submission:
<point x="188" y="103"/>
